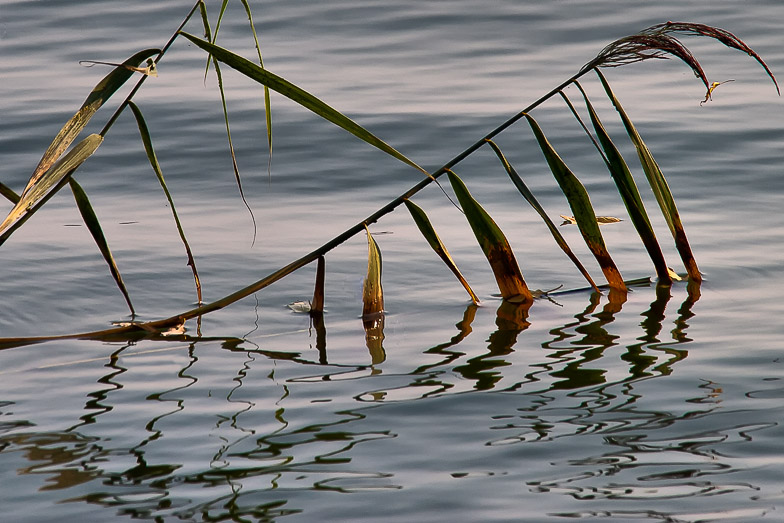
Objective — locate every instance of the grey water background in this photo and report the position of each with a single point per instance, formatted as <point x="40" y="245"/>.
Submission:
<point x="667" y="409"/>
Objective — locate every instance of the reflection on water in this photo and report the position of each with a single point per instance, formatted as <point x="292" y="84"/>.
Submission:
<point x="264" y="446"/>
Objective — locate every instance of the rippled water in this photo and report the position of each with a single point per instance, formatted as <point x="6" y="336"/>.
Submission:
<point x="667" y="408"/>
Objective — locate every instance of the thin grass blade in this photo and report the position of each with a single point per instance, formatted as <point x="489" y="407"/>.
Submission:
<point x="427" y="230"/>
<point x="372" y="293"/>
<point x="630" y="195"/>
<point x="207" y="32"/>
<point x="494" y="244"/>
<point x="302" y="97"/>
<point x="94" y="226"/>
<point x="267" y="104"/>
<point x="659" y="186"/>
<point x="153" y="159"/>
<point x="37" y="194"/>
<point x="581" y="207"/>
<point x="100" y="93"/>
<point x="531" y="199"/>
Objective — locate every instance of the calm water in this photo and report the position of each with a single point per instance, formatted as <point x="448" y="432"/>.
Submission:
<point x="667" y="408"/>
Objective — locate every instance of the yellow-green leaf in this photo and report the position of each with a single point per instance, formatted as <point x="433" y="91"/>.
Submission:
<point x="372" y="293"/>
<point x="35" y="195"/>
<point x="494" y="244"/>
<point x="659" y="186"/>
<point x="100" y="93"/>
<point x="427" y="230"/>
<point x="580" y="203"/>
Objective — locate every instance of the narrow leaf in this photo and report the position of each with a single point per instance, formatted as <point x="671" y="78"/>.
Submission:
<point x="372" y="293"/>
<point x="94" y="226"/>
<point x="627" y="188"/>
<point x="426" y="228"/>
<point x="302" y="97"/>
<point x="153" y="159"/>
<point x="35" y="195"/>
<point x="581" y="206"/>
<point x="494" y="244"/>
<point x="267" y="105"/>
<point x="8" y="193"/>
<point x="659" y="186"/>
<point x="531" y="199"/>
<point x="100" y="93"/>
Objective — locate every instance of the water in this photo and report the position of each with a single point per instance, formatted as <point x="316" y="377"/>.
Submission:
<point x="665" y="409"/>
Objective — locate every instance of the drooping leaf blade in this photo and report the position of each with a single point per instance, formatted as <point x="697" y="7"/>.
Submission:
<point x="659" y="186"/>
<point x="372" y="292"/>
<point x="153" y="159"/>
<point x="34" y="196"/>
<point x="100" y="93"/>
<point x="302" y="97"/>
<point x="427" y="230"/>
<point x="531" y="199"/>
<point x="494" y="245"/>
<point x="267" y="104"/>
<point x="94" y="226"/>
<point x="630" y="195"/>
<point x="580" y="203"/>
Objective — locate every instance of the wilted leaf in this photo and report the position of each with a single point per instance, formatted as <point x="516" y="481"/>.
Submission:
<point x="494" y="244"/>
<point x="601" y="220"/>
<point x="34" y="195"/>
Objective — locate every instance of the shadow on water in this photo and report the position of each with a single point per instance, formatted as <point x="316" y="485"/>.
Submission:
<point x="261" y="454"/>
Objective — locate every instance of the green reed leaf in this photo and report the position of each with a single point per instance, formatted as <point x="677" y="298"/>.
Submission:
<point x="302" y="97"/>
<point x="659" y="186"/>
<point x="47" y="184"/>
<point x="580" y="203"/>
<point x="627" y="188"/>
<point x="267" y="104"/>
<point x="153" y="159"/>
<point x="94" y="226"/>
<point x="494" y="245"/>
<point x="427" y="230"/>
<point x="372" y="292"/>
<point x="531" y="199"/>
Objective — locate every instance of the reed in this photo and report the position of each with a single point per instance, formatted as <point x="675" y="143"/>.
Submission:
<point x="59" y="164"/>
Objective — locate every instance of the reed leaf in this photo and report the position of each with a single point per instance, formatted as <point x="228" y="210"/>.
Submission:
<point x="153" y="159"/>
<point x="302" y="97"/>
<point x="35" y="195"/>
<point x="94" y="226"/>
<point x="531" y="199"/>
<point x="659" y="186"/>
<point x="372" y="293"/>
<point x="427" y="230"/>
<point x="494" y="245"/>
<point x="317" y="304"/>
<point x="630" y="195"/>
<point x="100" y="93"/>
<point x="267" y="103"/>
<point x="580" y="203"/>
